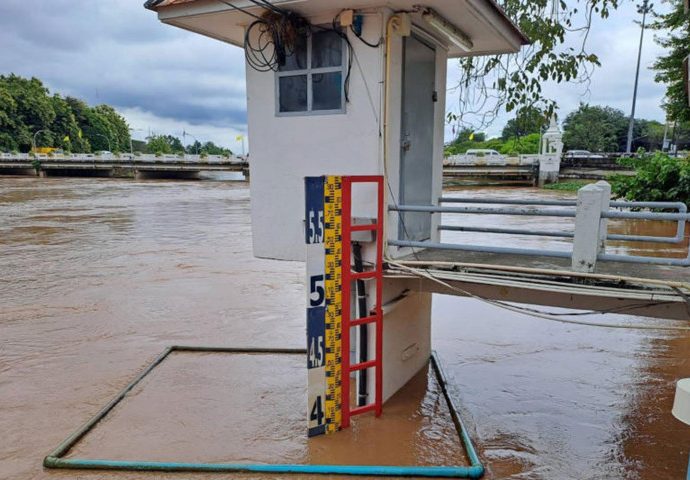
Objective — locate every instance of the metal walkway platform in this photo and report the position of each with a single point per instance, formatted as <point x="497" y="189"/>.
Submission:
<point x="610" y="256"/>
<point x="645" y="290"/>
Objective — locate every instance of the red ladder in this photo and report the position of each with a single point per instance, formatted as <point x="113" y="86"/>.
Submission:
<point x="376" y="316"/>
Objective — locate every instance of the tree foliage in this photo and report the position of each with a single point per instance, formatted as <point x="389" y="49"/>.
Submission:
<point x="164" y="144"/>
<point x="590" y="127"/>
<point x="521" y="145"/>
<point x="513" y="81"/>
<point x="527" y="120"/>
<point x="595" y="128"/>
<point x="28" y="111"/>
<point x="658" y="177"/>
<point x="669" y="67"/>
<point x="605" y="129"/>
<point x="208" y="148"/>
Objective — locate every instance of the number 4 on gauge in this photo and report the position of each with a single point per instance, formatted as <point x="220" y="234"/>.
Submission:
<point x="317" y="411"/>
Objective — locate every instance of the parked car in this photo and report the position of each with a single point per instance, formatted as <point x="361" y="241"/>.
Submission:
<point x="484" y="155"/>
<point x="581" y="154"/>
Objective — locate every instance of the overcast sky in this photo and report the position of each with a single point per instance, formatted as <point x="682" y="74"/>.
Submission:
<point x="166" y="80"/>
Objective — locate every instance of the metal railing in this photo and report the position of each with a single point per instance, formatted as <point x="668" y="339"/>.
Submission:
<point x="534" y="208"/>
<point x="120" y="157"/>
<point x="679" y="206"/>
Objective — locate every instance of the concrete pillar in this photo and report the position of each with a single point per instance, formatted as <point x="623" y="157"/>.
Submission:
<point x="549" y="168"/>
<point x="587" y="244"/>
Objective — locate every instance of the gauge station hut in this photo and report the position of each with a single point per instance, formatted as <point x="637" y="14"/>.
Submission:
<point x="350" y="87"/>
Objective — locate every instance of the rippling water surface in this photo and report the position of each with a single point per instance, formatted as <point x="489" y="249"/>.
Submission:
<point x="97" y="277"/>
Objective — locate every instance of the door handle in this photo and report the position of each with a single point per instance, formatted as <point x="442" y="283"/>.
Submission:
<point x="406" y="144"/>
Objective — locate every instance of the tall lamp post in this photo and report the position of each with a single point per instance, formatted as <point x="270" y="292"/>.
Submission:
<point x="107" y="140"/>
<point x="33" y="139"/>
<point x="681" y="404"/>
<point x="131" y="146"/>
<point x="196" y="142"/>
<point x="644" y="8"/>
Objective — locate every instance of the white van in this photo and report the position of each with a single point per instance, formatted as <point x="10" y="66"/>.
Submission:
<point x="484" y="156"/>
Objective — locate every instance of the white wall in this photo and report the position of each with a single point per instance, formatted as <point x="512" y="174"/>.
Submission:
<point x="286" y="149"/>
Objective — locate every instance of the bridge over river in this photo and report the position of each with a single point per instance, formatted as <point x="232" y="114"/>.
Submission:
<point x="123" y="165"/>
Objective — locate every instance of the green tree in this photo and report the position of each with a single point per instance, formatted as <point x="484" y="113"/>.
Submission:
<point x="464" y="140"/>
<point x="194" y="148"/>
<point x="66" y="129"/>
<point x="669" y="67"/>
<point x="525" y="144"/>
<point x="116" y="127"/>
<point x="210" y="148"/>
<point x="651" y="135"/>
<point x="32" y="111"/>
<point x="8" y="112"/>
<point x="595" y="128"/>
<point x="515" y="81"/>
<point x="527" y="120"/>
<point x="27" y="109"/>
<point x="164" y="144"/>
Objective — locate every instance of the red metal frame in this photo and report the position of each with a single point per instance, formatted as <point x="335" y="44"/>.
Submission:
<point x="377" y="316"/>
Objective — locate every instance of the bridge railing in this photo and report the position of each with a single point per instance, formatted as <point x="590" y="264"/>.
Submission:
<point x="121" y="158"/>
<point x="590" y="213"/>
<point x="463" y="160"/>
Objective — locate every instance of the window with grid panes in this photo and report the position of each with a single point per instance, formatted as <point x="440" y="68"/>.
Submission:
<point x="312" y="79"/>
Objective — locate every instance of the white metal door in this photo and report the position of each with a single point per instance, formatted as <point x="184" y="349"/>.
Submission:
<point x="417" y="142"/>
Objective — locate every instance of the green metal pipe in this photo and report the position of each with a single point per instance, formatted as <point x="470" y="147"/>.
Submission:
<point x="55" y="460"/>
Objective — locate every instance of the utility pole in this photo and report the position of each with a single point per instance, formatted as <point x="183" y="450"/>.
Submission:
<point x="644" y="9"/>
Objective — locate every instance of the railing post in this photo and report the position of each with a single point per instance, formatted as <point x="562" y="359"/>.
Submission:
<point x="605" y="205"/>
<point x="588" y="224"/>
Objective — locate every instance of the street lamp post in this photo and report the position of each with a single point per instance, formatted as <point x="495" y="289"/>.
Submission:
<point x="131" y="146"/>
<point x="33" y="139"/>
<point x="644" y="9"/>
<point x="107" y="139"/>
<point x="196" y="142"/>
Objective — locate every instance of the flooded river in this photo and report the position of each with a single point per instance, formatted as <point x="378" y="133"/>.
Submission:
<point x="97" y="277"/>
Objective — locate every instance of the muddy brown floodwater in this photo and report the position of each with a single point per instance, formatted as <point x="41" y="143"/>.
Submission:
<point x="97" y="277"/>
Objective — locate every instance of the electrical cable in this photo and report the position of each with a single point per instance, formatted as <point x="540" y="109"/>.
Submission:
<point x="275" y="36"/>
<point x="239" y="9"/>
<point x="528" y="311"/>
<point x="365" y="42"/>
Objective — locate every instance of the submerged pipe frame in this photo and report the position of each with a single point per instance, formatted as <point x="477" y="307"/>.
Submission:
<point x="56" y="460"/>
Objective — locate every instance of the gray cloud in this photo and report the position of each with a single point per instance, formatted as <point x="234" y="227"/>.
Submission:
<point x="116" y="52"/>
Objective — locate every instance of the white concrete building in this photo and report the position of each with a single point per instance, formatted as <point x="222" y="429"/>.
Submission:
<point x="367" y="100"/>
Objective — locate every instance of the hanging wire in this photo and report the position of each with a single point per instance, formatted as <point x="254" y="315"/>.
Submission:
<point x="277" y="34"/>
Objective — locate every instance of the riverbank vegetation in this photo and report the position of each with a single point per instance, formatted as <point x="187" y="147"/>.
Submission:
<point x="571" y="186"/>
<point x="30" y="116"/>
<point x="591" y="127"/>
<point x="658" y="178"/>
